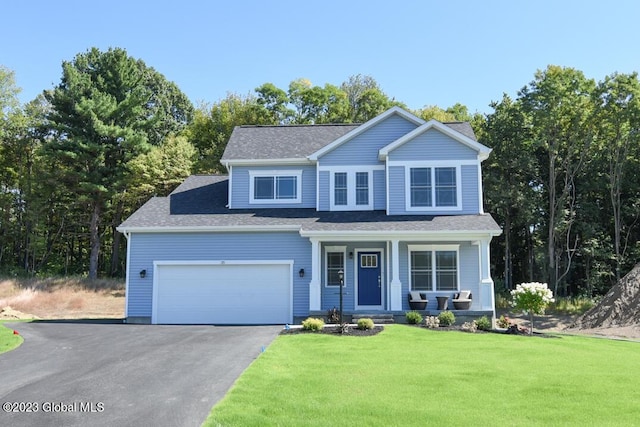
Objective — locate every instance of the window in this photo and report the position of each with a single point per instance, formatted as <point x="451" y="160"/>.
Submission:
<point x="434" y="268"/>
<point x="433" y="187"/>
<point x="351" y="189"/>
<point x="275" y="186"/>
<point x="362" y="188"/>
<point x="340" y="188"/>
<point x="369" y="261"/>
<point x="335" y="263"/>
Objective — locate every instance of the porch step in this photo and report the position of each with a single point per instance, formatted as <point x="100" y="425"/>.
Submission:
<point x="376" y="317"/>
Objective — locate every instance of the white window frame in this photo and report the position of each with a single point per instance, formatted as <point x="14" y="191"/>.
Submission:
<point x="351" y="189"/>
<point x="433" y="166"/>
<point x="335" y="249"/>
<point x="253" y="174"/>
<point x="433" y="249"/>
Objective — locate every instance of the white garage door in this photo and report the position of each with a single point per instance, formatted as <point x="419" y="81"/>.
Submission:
<point x="217" y="293"/>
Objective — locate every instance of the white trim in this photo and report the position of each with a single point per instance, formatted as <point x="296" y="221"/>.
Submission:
<point x="480" y="195"/>
<point x="411" y="236"/>
<point x="351" y="189"/>
<point x="230" y="187"/>
<point x="483" y="151"/>
<point x="267" y="162"/>
<point x="365" y="126"/>
<point x="386" y="184"/>
<point x="317" y="189"/>
<point x="338" y="249"/>
<point x="156" y="264"/>
<point x="433" y="249"/>
<point x="432" y="166"/>
<point x="127" y="276"/>
<point x="315" y="293"/>
<point x="209" y="228"/>
<point x="356" y="265"/>
<point x="273" y="174"/>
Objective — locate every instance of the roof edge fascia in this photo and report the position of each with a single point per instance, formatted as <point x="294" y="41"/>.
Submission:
<point x="268" y="162"/>
<point x="206" y="229"/>
<point x="402" y="235"/>
<point x="365" y="126"/>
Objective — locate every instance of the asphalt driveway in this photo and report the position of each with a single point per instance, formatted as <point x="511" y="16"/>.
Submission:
<point x="81" y="374"/>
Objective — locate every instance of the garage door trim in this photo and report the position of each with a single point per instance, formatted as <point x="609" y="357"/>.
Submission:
<point x="156" y="264"/>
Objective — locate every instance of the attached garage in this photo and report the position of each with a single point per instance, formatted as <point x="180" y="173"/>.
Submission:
<point x="222" y="292"/>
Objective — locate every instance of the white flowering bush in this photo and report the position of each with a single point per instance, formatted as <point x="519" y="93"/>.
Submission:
<point x="531" y="298"/>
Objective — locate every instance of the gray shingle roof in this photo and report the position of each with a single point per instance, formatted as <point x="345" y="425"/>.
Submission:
<point x="295" y="141"/>
<point x="201" y="202"/>
<point x="281" y="142"/>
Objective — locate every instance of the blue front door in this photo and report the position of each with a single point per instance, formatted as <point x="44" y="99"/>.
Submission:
<point x="369" y="279"/>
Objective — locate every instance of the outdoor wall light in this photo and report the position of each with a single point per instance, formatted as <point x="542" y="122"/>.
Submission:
<point x="350" y="255"/>
<point x="301" y="272"/>
<point x="143" y="274"/>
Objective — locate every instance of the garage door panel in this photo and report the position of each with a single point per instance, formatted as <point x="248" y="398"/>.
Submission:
<point x="223" y="294"/>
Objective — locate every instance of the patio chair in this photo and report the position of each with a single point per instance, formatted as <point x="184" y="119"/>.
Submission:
<point x="418" y="300"/>
<point x="462" y="300"/>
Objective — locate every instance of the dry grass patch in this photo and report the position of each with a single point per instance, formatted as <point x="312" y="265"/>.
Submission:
<point x="64" y="297"/>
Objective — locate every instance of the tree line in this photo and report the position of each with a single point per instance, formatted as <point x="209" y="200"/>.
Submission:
<point x="562" y="180"/>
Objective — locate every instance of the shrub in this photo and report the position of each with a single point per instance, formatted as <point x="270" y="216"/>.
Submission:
<point x="431" y="322"/>
<point x="446" y="318"/>
<point x="365" y="323"/>
<point x="483" y="323"/>
<point x="503" y="322"/>
<point x="531" y="298"/>
<point x="413" y="317"/>
<point x="312" y="324"/>
<point x="469" y="326"/>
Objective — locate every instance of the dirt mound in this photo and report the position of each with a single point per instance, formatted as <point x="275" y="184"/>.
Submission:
<point x="9" y="313"/>
<point x="619" y="307"/>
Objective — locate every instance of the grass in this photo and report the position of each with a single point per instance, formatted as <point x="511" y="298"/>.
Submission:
<point x="8" y="341"/>
<point x="62" y="297"/>
<point x="413" y="376"/>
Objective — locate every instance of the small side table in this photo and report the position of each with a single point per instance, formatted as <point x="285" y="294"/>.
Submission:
<point x="443" y="303"/>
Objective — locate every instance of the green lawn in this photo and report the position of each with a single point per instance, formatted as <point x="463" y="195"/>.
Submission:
<point x="8" y="341"/>
<point x="414" y="376"/>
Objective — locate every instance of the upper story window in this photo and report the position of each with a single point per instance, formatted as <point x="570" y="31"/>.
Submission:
<point x="351" y="190"/>
<point x="275" y="186"/>
<point x="433" y="188"/>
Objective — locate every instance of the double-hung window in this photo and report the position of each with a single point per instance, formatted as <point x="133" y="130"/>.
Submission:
<point x="433" y="268"/>
<point x="433" y="187"/>
<point x="334" y="262"/>
<point x="275" y="186"/>
<point x="351" y="190"/>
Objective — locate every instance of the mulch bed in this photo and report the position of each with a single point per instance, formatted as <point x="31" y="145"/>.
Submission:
<point x="335" y="330"/>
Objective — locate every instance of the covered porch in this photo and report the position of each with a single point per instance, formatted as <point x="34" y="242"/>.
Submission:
<point x="378" y="271"/>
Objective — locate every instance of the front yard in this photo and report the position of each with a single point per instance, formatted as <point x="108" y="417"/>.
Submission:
<point x="413" y="376"/>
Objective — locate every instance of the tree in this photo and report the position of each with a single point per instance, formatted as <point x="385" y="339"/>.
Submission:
<point x="365" y="99"/>
<point x="510" y="183"/>
<point x="108" y="109"/>
<point x="558" y="102"/>
<point x="617" y="114"/>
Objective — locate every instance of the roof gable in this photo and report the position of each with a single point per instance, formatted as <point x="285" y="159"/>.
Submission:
<point x="364" y="127"/>
<point x="447" y="129"/>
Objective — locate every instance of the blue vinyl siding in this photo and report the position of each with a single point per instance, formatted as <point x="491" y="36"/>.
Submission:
<point x="240" y="191"/>
<point x="379" y="190"/>
<point x="433" y="145"/>
<point x="363" y="149"/>
<point x="468" y="271"/>
<point x="149" y="247"/>
<point x="323" y="188"/>
<point x="470" y="193"/>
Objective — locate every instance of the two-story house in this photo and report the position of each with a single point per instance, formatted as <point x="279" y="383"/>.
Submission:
<point x="381" y="209"/>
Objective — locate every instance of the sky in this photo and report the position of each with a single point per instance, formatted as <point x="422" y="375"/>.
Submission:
<point x="421" y="53"/>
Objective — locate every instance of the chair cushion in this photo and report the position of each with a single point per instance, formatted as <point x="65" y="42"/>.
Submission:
<point x="464" y="295"/>
<point x="415" y="296"/>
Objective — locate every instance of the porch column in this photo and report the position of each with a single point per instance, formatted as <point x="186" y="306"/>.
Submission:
<point x="487" y="294"/>
<point x="314" y="285"/>
<point x="396" y="286"/>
